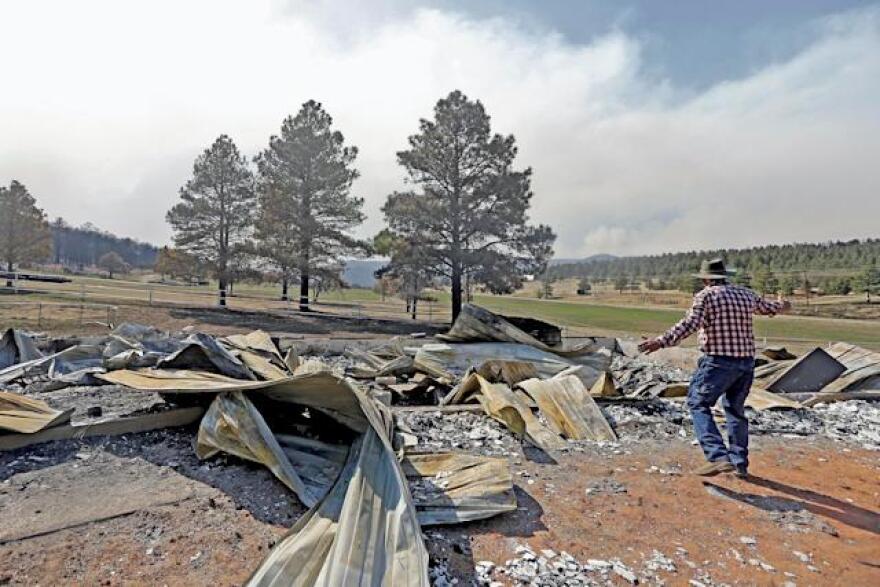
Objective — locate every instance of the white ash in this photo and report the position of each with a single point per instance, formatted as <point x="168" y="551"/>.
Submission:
<point x="425" y="488"/>
<point x="854" y="421"/>
<point x="660" y="562"/>
<point x="656" y="418"/>
<point x="640" y="376"/>
<point x="549" y="568"/>
<point x="470" y="431"/>
<point x="802" y="422"/>
<point x="439" y="575"/>
<point x="606" y="486"/>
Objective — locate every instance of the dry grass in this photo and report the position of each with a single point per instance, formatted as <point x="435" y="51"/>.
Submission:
<point x="73" y="306"/>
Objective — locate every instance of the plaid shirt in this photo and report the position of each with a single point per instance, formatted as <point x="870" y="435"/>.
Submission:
<point x="723" y="315"/>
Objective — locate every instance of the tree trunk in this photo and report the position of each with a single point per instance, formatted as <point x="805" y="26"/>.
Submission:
<point x="9" y="269"/>
<point x="415" y="303"/>
<point x="456" y="292"/>
<point x="284" y="289"/>
<point x="304" y="292"/>
<point x="221" y="288"/>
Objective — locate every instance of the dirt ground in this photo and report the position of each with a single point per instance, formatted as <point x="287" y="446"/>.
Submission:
<point x="141" y="509"/>
<point x="326" y="322"/>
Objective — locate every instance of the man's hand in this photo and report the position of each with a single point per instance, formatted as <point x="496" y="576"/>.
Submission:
<point x="650" y="345"/>
<point x="786" y="305"/>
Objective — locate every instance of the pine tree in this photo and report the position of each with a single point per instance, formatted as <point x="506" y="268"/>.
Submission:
<point x="409" y="266"/>
<point x="306" y="209"/>
<point x="176" y="263"/>
<point x="584" y="287"/>
<point x="742" y="278"/>
<point x="546" y="289"/>
<point x="868" y="282"/>
<point x="113" y="263"/>
<point x="470" y="216"/>
<point x="766" y="282"/>
<point x="214" y="219"/>
<point x="24" y="230"/>
<point x="688" y="283"/>
<point x="787" y="285"/>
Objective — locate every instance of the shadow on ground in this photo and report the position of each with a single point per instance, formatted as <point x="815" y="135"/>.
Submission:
<point x="797" y="499"/>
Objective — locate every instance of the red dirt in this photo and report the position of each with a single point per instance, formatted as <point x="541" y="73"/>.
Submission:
<point x="213" y="541"/>
<point x="666" y="512"/>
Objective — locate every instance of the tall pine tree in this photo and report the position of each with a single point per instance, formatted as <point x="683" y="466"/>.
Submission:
<point x="470" y="217"/>
<point x="306" y="208"/>
<point x="215" y="217"/>
<point x="24" y="231"/>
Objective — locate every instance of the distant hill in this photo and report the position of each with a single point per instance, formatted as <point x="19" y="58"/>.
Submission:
<point x="360" y="272"/>
<point x="843" y="256"/>
<point x="599" y="257"/>
<point x="83" y="246"/>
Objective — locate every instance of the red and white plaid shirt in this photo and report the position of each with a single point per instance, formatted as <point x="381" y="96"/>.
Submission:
<point x="723" y="315"/>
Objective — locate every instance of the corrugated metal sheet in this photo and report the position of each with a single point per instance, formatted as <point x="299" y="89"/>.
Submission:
<point x="27" y="415"/>
<point x="365" y="529"/>
<point x="810" y="373"/>
<point x="569" y="408"/>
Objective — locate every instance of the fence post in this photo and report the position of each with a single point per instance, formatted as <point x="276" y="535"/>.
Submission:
<point x="82" y="310"/>
<point x="150" y="296"/>
<point x="39" y="315"/>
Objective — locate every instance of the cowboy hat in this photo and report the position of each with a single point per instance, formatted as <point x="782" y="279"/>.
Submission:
<point x="713" y="269"/>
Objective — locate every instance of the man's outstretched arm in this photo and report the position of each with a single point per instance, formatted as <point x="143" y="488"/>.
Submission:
<point x="768" y="308"/>
<point x="683" y="329"/>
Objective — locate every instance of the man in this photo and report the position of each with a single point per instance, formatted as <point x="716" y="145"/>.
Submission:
<point x="722" y="312"/>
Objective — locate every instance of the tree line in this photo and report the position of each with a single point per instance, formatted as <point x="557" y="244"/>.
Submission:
<point x="839" y="267"/>
<point x="842" y="256"/>
<point x="26" y="236"/>
<point x="290" y="210"/>
<point x="85" y="245"/>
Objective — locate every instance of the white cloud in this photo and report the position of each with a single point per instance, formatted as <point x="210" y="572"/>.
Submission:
<point x="105" y="104"/>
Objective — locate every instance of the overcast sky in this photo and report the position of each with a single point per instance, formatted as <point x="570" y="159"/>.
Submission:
<point x="650" y="126"/>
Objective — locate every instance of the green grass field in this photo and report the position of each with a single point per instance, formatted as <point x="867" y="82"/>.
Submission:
<point x="649" y="321"/>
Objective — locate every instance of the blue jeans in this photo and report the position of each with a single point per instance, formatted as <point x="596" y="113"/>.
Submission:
<point x="728" y="378"/>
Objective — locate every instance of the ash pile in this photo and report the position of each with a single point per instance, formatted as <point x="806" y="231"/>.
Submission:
<point x="828" y="393"/>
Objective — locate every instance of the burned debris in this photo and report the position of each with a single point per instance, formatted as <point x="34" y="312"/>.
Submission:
<point x="380" y="440"/>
